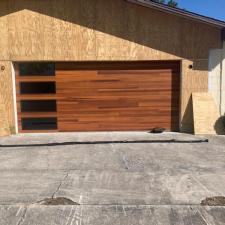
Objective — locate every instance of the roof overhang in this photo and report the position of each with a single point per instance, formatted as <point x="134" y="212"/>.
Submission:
<point x="179" y="12"/>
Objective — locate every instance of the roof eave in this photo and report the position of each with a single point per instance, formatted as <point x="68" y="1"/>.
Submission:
<point x="179" y="12"/>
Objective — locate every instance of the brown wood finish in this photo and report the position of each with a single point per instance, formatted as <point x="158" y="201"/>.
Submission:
<point x="117" y="96"/>
<point x="35" y="78"/>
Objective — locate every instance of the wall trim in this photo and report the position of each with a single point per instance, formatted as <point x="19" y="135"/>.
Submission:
<point x="14" y="97"/>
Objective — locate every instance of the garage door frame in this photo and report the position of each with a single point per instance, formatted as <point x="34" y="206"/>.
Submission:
<point x="17" y="74"/>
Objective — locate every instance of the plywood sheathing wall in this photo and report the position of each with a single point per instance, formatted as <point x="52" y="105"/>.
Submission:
<point x="4" y="126"/>
<point x="7" y="122"/>
<point x="74" y="30"/>
<point x="206" y="115"/>
<point x="192" y="81"/>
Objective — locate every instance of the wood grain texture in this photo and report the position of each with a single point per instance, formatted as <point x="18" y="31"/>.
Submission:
<point x="87" y="30"/>
<point x="6" y="96"/>
<point x="76" y="30"/>
<point x="4" y="125"/>
<point x="118" y="96"/>
<point x="206" y="114"/>
<point x="192" y="81"/>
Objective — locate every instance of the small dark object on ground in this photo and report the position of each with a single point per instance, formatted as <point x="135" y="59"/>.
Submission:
<point x="57" y="201"/>
<point x="157" y="130"/>
<point x="214" y="201"/>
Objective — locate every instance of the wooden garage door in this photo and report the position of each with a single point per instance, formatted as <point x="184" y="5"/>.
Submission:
<point x="118" y="96"/>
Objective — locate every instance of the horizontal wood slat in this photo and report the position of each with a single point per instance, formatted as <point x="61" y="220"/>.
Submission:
<point x="37" y="114"/>
<point x="114" y="96"/>
<point x="35" y="79"/>
<point x="109" y="96"/>
<point x="20" y="97"/>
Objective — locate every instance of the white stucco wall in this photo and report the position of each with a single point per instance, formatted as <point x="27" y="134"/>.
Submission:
<point x="217" y="77"/>
<point x="215" y="74"/>
<point x="223" y="81"/>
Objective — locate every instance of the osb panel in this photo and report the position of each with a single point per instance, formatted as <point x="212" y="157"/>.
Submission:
<point x="206" y="114"/>
<point x="192" y="81"/>
<point x="74" y="30"/>
<point x="89" y="30"/>
<point x="6" y="95"/>
<point x="4" y="126"/>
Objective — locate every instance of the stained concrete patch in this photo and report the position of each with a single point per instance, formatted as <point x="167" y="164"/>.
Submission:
<point x="57" y="201"/>
<point x="214" y="201"/>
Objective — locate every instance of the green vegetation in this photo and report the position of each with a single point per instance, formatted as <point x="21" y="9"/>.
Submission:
<point x="168" y="2"/>
<point x="223" y="118"/>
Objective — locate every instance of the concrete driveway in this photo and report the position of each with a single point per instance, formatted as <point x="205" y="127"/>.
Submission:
<point x="111" y="178"/>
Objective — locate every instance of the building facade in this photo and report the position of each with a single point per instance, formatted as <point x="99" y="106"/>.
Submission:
<point x="111" y="65"/>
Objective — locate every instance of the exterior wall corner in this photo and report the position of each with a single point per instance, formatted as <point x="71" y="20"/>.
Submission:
<point x="6" y="97"/>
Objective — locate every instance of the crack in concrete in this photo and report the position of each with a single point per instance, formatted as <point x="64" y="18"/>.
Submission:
<point x="22" y="218"/>
<point x="122" y="156"/>
<point x="60" y="184"/>
<point x="125" y="161"/>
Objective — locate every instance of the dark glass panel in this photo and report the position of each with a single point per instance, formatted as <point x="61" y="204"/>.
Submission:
<point x="38" y="105"/>
<point x="39" y="123"/>
<point x="37" y="88"/>
<point x="37" y="69"/>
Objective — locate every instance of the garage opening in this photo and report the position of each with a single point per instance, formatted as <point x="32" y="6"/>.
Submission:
<point x="98" y="96"/>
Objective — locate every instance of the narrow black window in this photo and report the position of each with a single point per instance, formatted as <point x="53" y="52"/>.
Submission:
<point x="37" y="88"/>
<point x="38" y="105"/>
<point x="37" y="69"/>
<point x="39" y="123"/>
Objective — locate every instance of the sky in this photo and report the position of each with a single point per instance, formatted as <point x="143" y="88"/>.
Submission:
<point x="211" y="8"/>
